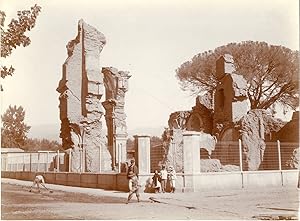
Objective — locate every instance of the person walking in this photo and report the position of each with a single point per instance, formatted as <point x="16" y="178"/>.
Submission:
<point x="172" y="178"/>
<point x="134" y="189"/>
<point x="164" y="177"/>
<point x="131" y="172"/>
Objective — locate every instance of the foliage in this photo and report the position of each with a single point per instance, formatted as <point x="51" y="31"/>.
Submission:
<point x="271" y="72"/>
<point x="154" y="140"/>
<point x="43" y="144"/>
<point x="14" y="131"/>
<point x="15" y="34"/>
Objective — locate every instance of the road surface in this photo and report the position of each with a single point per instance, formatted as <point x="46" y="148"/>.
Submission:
<point x="86" y="203"/>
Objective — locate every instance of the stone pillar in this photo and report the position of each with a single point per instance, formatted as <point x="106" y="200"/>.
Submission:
<point x="142" y="153"/>
<point x="121" y="149"/>
<point x="191" y="159"/>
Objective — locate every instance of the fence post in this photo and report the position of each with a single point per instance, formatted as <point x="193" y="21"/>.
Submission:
<point x="30" y="159"/>
<point x="57" y="161"/>
<point x="279" y="161"/>
<point x="17" y="162"/>
<point x="241" y="161"/>
<point x="38" y="166"/>
<point x="47" y="161"/>
<point x="24" y="169"/>
<point x="70" y="159"/>
<point x="100" y="150"/>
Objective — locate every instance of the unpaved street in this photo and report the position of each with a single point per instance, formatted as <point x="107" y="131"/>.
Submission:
<point x="84" y="203"/>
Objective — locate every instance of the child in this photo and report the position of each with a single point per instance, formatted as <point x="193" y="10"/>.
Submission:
<point x="39" y="179"/>
<point x="156" y="183"/>
<point x="134" y="189"/>
<point x="164" y="177"/>
<point x="172" y="178"/>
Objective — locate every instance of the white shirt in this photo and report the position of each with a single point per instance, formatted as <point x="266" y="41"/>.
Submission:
<point x="164" y="174"/>
<point x="40" y="178"/>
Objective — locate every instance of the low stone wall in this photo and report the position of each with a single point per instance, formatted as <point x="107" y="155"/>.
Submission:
<point x="200" y="181"/>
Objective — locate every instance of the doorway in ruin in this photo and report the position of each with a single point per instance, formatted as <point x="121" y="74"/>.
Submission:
<point x="195" y="123"/>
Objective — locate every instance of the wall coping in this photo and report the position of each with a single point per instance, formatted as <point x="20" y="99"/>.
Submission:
<point x="191" y="133"/>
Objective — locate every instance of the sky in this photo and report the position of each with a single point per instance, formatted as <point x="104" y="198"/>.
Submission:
<point x="150" y="39"/>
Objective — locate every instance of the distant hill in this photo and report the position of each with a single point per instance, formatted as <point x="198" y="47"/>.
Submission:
<point x="51" y="131"/>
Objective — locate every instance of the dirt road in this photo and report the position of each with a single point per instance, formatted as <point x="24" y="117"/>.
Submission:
<point x="84" y="203"/>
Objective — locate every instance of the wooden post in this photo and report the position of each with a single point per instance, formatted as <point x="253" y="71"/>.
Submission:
<point x="100" y="149"/>
<point x="241" y="161"/>
<point x="279" y="161"/>
<point x="57" y="161"/>
<point x="241" y="155"/>
<point x="30" y="159"/>
<point x="279" y="154"/>
<point x="47" y="161"/>
<point x="24" y="162"/>
<point x="70" y="160"/>
<point x="119" y="156"/>
<point x="38" y="166"/>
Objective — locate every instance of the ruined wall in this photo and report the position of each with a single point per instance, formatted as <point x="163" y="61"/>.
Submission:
<point x="200" y="118"/>
<point x="253" y="136"/>
<point x="116" y="84"/>
<point x="289" y="139"/>
<point x="173" y="140"/>
<point x="81" y="89"/>
<point x="173" y="148"/>
<point x="230" y="101"/>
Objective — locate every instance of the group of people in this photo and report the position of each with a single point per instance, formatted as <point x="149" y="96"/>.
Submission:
<point x="161" y="178"/>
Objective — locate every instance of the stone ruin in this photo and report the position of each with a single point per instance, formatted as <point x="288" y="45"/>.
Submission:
<point x="116" y="85"/>
<point x="224" y="116"/>
<point x="81" y="88"/>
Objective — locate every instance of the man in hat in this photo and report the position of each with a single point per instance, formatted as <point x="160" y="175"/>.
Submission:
<point x="132" y="172"/>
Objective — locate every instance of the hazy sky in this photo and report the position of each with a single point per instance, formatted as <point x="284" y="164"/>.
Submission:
<point x="148" y="38"/>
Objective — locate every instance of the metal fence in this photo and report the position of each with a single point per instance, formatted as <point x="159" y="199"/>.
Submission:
<point x="227" y="156"/>
<point x="42" y="161"/>
<point x="275" y="156"/>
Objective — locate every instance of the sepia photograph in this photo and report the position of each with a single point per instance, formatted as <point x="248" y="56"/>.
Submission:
<point x="149" y="110"/>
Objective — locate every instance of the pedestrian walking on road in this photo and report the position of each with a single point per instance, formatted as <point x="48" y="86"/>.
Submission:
<point x="134" y="189"/>
<point x="172" y="178"/>
<point x="164" y="177"/>
<point x="131" y="172"/>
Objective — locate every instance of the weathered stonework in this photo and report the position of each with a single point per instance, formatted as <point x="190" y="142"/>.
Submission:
<point x="230" y="101"/>
<point x="81" y="89"/>
<point x="253" y="139"/>
<point x="289" y="138"/>
<point x="116" y="84"/>
<point x="173" y="147"/>
<point x="200" y="118"/>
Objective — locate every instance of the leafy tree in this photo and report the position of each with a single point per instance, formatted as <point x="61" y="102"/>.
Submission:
<point x="154" y="140"/>
<point x="14" y="131"/>
<point x="15" y="34"/>
<point x="271" y="72"/>
<point x="43" y="144"/>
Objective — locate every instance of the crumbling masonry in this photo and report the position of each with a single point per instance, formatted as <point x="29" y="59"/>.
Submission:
<point x="81" y="89"/>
